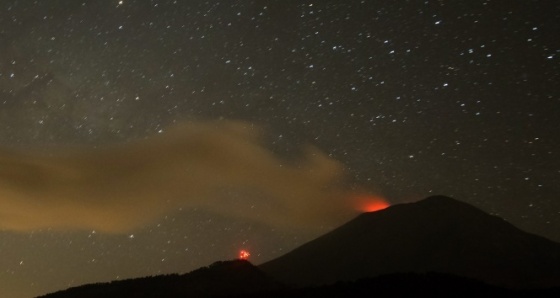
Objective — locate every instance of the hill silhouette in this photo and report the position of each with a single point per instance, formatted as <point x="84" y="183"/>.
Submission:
<point x="408" y="285"/>
<point x="207" y="283"/>
<point x="438" y="234"/>
<point x="224" y="278"/>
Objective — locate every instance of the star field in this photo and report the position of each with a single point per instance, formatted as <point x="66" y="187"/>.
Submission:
<point x="414" y="98"/>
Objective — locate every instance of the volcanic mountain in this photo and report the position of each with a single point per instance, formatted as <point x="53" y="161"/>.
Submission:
<point x="438" y="234"/>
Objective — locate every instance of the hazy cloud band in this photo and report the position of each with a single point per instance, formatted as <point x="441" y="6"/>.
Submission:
<point x="221" y="166"/>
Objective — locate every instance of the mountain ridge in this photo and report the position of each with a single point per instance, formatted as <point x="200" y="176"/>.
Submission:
<point x="438" y="246"/>
<point x="391" y="285"/>
<point x="221" y="278"/>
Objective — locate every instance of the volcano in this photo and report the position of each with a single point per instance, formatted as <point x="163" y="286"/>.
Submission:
<point x="437" y="234"/>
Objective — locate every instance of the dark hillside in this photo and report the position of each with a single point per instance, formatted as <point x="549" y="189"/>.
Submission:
<point x="221" y="278"/>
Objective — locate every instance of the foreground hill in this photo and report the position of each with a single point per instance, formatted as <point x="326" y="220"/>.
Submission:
<point x="210" y="285"/>
<point x="438" y="234"/>
<point x="237" y="277"/>
<point x="408" y="285"/>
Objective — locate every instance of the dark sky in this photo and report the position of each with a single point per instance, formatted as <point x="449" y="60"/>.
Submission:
<point x="145" y="137"/>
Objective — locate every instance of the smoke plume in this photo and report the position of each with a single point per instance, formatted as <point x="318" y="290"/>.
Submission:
<point x="220" y="166"/>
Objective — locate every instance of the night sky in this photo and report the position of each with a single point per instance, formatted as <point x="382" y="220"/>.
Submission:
<point x="147" y="137"/>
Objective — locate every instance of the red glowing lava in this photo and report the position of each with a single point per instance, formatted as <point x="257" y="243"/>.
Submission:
<point x="244" y="255"/>
<point x="370" y="203"/>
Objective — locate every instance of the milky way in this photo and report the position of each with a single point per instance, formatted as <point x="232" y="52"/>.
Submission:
<point x="398" y="99"/>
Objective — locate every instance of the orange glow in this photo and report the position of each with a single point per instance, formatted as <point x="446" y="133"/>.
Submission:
<point x="370" y="203"/>
<point x="244" y="255"/>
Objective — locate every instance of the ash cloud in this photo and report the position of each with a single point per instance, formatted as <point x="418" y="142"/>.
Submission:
<point x="220" y="166"/>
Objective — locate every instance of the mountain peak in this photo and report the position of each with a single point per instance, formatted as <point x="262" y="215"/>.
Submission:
<point x="435" y="211"/>
<point x="439" y="202"/>
<point x="439" y="199"/>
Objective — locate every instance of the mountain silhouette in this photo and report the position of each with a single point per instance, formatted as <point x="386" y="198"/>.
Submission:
<point x="208" y="283"/>
<point x="438" y="234"/>
<point x="437" y="247"/>
<point x="224" y="278"/>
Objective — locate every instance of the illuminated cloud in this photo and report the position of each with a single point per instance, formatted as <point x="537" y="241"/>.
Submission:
<point x="220" y="166"/>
